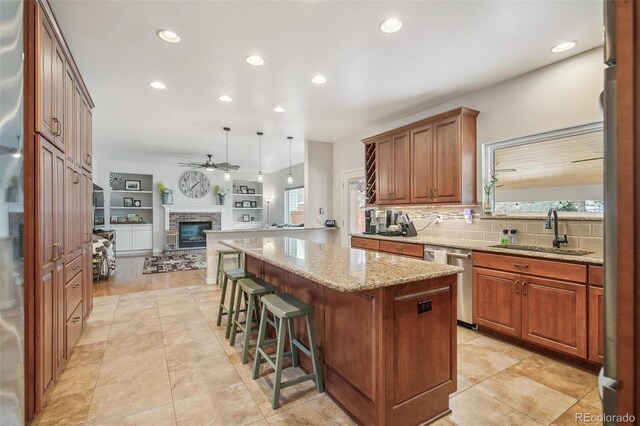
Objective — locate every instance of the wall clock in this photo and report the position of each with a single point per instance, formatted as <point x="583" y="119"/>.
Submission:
<point x="195" y="184"/>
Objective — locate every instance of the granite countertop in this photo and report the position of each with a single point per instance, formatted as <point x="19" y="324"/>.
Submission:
<point x="596" y="258"/>
<point x="304" y="228"/>
<point x="340" y="268"/>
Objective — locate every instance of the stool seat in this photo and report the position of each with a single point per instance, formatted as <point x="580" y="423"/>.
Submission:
<point x="237" y="273"/>
<point x="256" y="286"/>
<point x="228" y="251"/>
<point x="285" y="306"/>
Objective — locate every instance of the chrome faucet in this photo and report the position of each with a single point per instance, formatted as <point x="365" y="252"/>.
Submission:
<point x="552" y="222"/>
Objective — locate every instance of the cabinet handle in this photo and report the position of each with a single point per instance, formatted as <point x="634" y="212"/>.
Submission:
<point x="524" y="288"/>
<point x="517" y="287"/>
<point x="520" y="265"/>
<point x="57" y="251"/>
<point x="55" y="129"/>
<point x="88" y="238"/>
<point x="400" y="248"/>
<point x="76" y="285"/>
<point x="75" y="319"/>
<point x="88" y="159"/>
<point x="77" y="179"/>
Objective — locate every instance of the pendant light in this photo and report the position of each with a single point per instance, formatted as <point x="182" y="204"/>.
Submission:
<point x="227" y="173"/>
<point x="18" y="152"/>
<point x="260" y="177"/>
<point x="290" y="175"/>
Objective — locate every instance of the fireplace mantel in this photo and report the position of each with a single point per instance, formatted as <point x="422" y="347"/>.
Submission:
<point x="181" y="208"/>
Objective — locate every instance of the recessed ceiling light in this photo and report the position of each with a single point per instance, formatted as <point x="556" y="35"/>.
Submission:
<point x="158" y="85"/>
<point x="279" y="109"/>
<point x="254" y="60"/>
<point x="563" y="47"/>
<point x="319" y="79"/>
<point x="169" y="36"/>
<point x="391" y="25"/>
<point x="225" y="98"/>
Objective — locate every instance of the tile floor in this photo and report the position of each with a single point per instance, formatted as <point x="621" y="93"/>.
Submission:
<point x="157" y="357"/>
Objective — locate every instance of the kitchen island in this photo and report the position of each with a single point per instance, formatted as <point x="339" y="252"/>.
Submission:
<point x="385" y="324"/>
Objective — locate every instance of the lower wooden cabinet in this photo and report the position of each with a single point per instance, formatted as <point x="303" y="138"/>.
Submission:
<point x="596" y="324"/>
<point x="496" y="302"/>
<point x="388" y="246"/>
<point x="365" y="243"/>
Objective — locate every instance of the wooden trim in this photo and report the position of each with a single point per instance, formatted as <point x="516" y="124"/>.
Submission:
<point x="464" y="111"/>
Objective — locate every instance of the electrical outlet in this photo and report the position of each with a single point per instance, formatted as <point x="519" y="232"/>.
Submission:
<point x="438" y="218"/>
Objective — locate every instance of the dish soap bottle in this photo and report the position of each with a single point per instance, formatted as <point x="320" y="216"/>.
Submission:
<point x="505" y="237"/>
<point x="513" y="238"/>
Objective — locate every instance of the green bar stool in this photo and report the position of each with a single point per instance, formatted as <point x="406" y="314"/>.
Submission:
<point x="221" y="256"/>
<point x="252" y="289"/>
<point x="234" y="275"/>
<point x="285" y="308"/>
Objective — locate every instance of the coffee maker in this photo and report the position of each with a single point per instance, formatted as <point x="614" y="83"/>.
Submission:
<point x="370" y="224"/>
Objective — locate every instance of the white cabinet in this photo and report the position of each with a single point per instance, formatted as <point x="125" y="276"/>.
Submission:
<point x="133" y="237"/>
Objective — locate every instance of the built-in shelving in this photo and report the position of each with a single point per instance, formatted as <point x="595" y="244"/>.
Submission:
<point x="98" y="207"/>
<point x="370" y="173"/>
<point x="117" y="194"/>
<point x="240" y="213"/>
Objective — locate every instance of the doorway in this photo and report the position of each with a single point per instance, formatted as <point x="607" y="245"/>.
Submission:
<point x="354" y="202"/>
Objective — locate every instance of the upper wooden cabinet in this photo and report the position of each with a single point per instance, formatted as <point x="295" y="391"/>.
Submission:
<point x="430" y="161"/>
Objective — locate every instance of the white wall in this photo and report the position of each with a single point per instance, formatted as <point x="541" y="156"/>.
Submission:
<point x="318" y="178"/>
<point x="559" y="95"/>
<point x="274" y="185"/>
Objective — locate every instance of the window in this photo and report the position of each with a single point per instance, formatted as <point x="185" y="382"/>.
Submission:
<point x="294" y="206"/>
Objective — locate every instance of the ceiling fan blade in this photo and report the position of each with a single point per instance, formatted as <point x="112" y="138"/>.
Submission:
<point x="234" y="167"/>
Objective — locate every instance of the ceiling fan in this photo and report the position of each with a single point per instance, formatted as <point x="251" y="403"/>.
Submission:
<point x="210" y="165"/>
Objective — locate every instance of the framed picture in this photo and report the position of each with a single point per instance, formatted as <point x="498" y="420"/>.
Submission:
<point x="245" y="218"/>
<point x="244" y="189"/>
<point x="239" y="191"/>
<point x="254" y="204"/>
<point x="137" y="203"/>
<point x="237" y="204"/>
<point x="127" y="202"/>
<point x="246" y="203"/>
<point x="253" y="218"/>
<point x="252" y="191"/>
<point x="132" y="185"/>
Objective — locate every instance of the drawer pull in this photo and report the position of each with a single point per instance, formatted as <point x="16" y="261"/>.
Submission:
<point x="76" y="285"/>
<point x="75" y="319"/>
<point x="524" y="288"/>
<point x="517" y="287"/>
<point x="520" y="265"/>
<point x="400" y="248"/>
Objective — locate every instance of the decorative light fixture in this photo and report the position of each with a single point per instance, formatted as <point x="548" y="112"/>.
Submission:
<point x="290" y="175"/>
<point x="279" y="109"/>
<point x="391" y="25"/>
<point x="254" y="60"/>
<point x="319" y="79"/>
<point x="17" y="153"/>
<point x="169" y="36"/>
<point x="564" y="46"/>
<point x="158" y="85"/>
<point x="260" y="177"/>
<point x="225" y="98"/>
<point x="227" y="173"/>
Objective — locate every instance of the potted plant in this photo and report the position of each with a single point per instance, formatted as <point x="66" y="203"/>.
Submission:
<point x="489" y="193"/>
<point x="220" y="192"/>
<point x="165" y="193"/>
<point x="10" y="186"/>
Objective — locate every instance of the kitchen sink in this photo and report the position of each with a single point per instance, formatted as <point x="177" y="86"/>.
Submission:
<point x="539" y="249"/>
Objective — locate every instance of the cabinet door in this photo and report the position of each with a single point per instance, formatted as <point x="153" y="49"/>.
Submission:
<point x="69" y="117"/>
<point x="596" y="324"/>
<point x="59" y="231"/>
<point x="447" y="160"/>
<point x="554" y="314"/>
<point x="88" y="141"/>
<point x="384" y="169"/>
<point x="87" y="225"/>
<point x="496" y="301"/>
<point x="401" y="169"/>
<point x="45" y="74"/>
<point x="422" y="164"/>
<point x="59" y="77"/>
<point x="141" y="239"/>
<point x="78" y="126"/>
<point x="72" y="236"/>
<point x="123" y="240"/>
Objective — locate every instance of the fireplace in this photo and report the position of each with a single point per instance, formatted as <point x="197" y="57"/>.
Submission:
<point x="191" y="234"/>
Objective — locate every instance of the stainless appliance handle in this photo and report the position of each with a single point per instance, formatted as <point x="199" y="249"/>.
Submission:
<point x="453" y="255"/>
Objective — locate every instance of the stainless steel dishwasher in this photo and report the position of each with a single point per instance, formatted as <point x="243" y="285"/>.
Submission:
<point x="464" y="259"/>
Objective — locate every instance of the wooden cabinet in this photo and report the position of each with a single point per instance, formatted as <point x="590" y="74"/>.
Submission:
<point x="496" y="301"/>
<point x="365" y="243"/>
<point x="73" y="213"/>
<point x="133" y="237"/>
<point x="596" y="324"/>
<point x="405" y="249"/>
<point x="45" y="74"/>
<point x="85" y="130"/>
<point x="87" y="243"/>
<point x="430" y="161"/>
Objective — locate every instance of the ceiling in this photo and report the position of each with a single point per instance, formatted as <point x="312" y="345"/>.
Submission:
<point x="444" y="50"/>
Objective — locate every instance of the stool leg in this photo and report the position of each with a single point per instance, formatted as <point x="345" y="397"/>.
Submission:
<point x="239" y="261"/>
<point x="220" y="265"/>
<point x="222" y="296"/>
<point x="315" y="357"/>
<point x="230" y="310"/>
<point x="262" y="330"/>
<point x="247" y="330"/>
<point x="294" y="352"/>
<point x="279" y="356"/>
<point x="236" y="315"/>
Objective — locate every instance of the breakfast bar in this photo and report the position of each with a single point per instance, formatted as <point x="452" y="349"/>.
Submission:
<point x="385" y="325"/>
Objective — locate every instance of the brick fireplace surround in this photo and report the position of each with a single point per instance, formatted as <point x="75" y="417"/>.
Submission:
<point x="176" y="217"/>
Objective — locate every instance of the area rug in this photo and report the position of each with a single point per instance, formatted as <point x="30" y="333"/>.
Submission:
<point x="173" y="263"/>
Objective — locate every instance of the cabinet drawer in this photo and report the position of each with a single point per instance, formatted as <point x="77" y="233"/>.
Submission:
<point x="365" y="243"/>
<point x="72" y="295"/>
<point x="406" y="249"/>
<point x="529" y="266"/>
<point x="74" y="328"/>
<point x="72" y="268"/>
<point x="596" y="275"/>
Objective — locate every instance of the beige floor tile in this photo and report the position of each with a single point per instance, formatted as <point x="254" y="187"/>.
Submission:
<point x="132" y="344"/>
<point x="193" y="352"/>
<point x="181" y="319"/>
<point x="192" y="331"/>
<point x="593" y="399"/>
<point x="441" y="422"/>
<point x="142" y="303"/>
<point x="462" y="386"/>
<point x="209" y="377"/>
<point x="170" y="299"/>
<point x="95" y="333"/>
<point x="85" y="355"/>
<point x="69" y="409"/>
<point x="474" y="408"/>
<point x="202" y="288"/>
<point x="579" y="414"/>
<point x="132" y="367"/>
<point x="132" y="313"/>
<point x="481" y="358"/>
<point x="151" y="294"/>
<point x="105" y="301"/>
<point x="79" y="379"/>
<point x="122" y="399"/>
<point x="102" y="313"/>
<point x="556" y="375"/>
<point x="464" y="334"/>
<point x="172" y="291"/>
<point x="158" y="416"/>
<point x="134" y="326"/>
<point x="320" y="411"/>
<point x="538" y="401"/>
<point x="178" y="308"/>
<point x="231" y="406"/>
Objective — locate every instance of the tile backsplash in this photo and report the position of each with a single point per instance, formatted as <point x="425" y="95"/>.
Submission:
<point x="583" y="234"/>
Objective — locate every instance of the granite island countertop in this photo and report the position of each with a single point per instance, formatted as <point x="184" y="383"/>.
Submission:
<point x="340" y="268"/>
<point x="284" y="229"/>
<point x="595" y="258"/>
